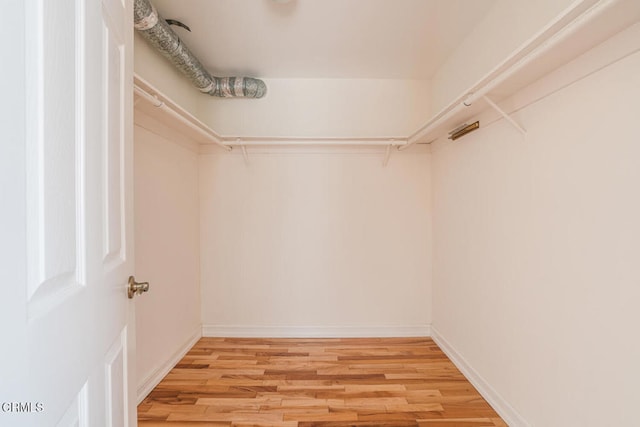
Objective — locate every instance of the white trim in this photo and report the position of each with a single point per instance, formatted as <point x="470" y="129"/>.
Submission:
<point x="499" y="403"/>
<point x="149" y="383"/>
<point x="241" y="331"/>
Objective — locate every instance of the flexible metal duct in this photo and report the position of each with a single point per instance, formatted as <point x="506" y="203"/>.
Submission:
<point x="161" y="36"/>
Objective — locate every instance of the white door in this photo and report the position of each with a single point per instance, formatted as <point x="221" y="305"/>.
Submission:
<point x="66" y="217"/>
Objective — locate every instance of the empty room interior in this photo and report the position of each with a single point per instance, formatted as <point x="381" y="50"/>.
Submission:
<point x="357" y="200"/>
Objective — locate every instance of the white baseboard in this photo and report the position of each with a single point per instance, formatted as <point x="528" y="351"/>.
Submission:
<point x="314" y="332"/>
<point x="156" y="376"/>
<point x="501" y="406"/>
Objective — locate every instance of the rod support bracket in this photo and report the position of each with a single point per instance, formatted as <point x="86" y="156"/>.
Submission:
<point x="387" y="154"/>
<point x="244" y="150"/>
<point x="504" y="114"/>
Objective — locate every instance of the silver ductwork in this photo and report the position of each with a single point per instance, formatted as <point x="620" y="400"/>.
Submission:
<point x="155" y="29"/>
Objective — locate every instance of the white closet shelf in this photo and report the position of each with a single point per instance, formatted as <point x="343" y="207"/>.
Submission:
<point x="156" y="104"/>
<point x="580" y="28"/>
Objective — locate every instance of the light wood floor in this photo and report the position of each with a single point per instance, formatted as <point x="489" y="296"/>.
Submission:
<point x="316" y="382"/>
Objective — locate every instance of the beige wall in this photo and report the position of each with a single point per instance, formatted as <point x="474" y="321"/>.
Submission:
<point x="327" y="243"/>
<point x="536" y="284"/>
<point x="166" y="251"/>
<point x="537" y="249"/>
<point x="297" y="107"/>
<point x="150" y="65"/>
<point x="324" y="107"/>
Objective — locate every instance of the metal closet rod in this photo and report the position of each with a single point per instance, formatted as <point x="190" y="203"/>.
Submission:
<point x="306" y="141"/>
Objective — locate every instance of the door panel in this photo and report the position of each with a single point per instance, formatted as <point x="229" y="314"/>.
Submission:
<point x="116" y="382"/>
<point x="71" y="316"/>
<point x="113" y="120"/>
<point x="76" y="414"/>
<point x="117" y="209"/>
<point x="55" y="161"/>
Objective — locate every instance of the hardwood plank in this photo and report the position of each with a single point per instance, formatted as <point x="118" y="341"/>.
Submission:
<point x="316" y="382"/>
<point x="150" y="423"/>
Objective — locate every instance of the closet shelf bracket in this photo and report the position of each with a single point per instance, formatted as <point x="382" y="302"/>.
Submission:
<point x="387" y="154"/>
<point x="505" y="115"/>
<point x="244" y="150"/>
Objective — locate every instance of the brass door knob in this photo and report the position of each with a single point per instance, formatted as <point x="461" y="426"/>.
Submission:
<point x="136" y="288"/>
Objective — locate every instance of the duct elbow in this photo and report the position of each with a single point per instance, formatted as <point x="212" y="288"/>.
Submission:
<point x="238" y="87"/>
<point x="257" y="87"/>
<point x="161" y="36"/>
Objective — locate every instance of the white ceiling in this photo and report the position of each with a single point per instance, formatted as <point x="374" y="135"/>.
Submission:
<point x="387" y="39"/>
